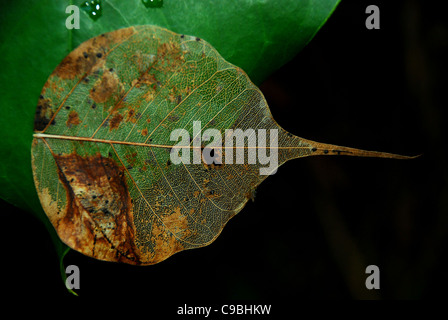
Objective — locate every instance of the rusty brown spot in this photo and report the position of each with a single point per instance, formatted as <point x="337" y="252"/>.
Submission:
<point x="131" y="158"/>
<point x="166" y="233"/>
<point x="81" y="60"/>
<point x="148" y="79"/>
<point x="145" y="132"/>
<point x="212" y="165"/>
<point x="135" y="83"/>
<point x="173" y="117"/>
<point x="115" y="121"/>
<point x="140" y="60"/>
<point x="120" y="105"/>
<point x="169" y="55"/>
<point x="212" y="194"/>
<point x="175" y="221"/>
<point x="165" y="242"/>
<point x="149" y="95"/>
<point x="98" y="219"/>
<point x="104" y="87"/>
<point x="130" y="115"/>
<point x="44" y="114"/>
<point x="73" y="66"/>
<point x="73" y="119"/>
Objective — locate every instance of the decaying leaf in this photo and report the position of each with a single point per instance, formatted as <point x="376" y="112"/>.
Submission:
<point x="101" y="153"/>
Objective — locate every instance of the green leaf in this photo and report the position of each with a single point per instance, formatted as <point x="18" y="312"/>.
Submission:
<point x="258" y="36"/>
<point x="106" y="164"/>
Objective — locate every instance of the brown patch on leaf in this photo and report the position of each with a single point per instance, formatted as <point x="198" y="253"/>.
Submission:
<point x="131" y="158"/>
<point x="115" y="121"/>
<point x="145" y="132"/>
<point x="176" y="222"/>
<point x="148" y="79"/>
<point x="141" y="60"/>
<point x="97" y="219"/>
<point x="164" y="243"/>
<point x="47" y="201"/>
<point x="167" y="234"/>
<point x="120" y="105"/>
<point x="211" y="194"/>
<point x="44" y="114"/>
<point x="73" y="119"/>
<point x="81" y="60"/>
<point x="172" y="98"/>
<point x="130" y="115"/>
<point x="75" y="65"/>
<point x="104" y="87"/>
<point x="169" y="55"/>
<point x="149" y="95"/>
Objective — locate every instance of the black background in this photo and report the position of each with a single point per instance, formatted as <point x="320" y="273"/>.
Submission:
<point x="318" y="222"/>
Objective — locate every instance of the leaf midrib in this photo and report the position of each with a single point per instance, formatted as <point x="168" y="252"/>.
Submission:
<point x="142" y="144"/>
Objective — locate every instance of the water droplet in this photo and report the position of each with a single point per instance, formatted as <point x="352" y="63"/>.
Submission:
<point x="93" y="9"/>
<point x="153" y="3"/>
